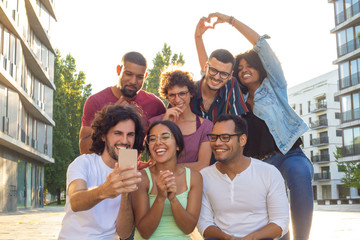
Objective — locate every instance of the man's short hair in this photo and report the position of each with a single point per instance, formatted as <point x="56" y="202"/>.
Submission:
<point x="134" y="57"/>
<point x="240" y="123"/>
<point x="111" y="115"/>
<point x="223" y="56"/>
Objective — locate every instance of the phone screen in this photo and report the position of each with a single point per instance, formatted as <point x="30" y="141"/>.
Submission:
<point x="128" y="157"/>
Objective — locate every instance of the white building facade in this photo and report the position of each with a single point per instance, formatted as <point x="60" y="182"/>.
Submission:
<point x="315" y="101"/>
<point x="26" y="100"/>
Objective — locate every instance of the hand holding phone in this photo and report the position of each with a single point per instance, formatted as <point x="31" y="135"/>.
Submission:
<point x="128" y="157"/>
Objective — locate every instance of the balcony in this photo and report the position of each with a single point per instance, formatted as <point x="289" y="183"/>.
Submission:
<point x="319" y="106"/>
<point x="321" y="123"/>
<point x="324" y="176"/>
<point x="320" y="158"/>
<point x="350" y="150"/>
<point x="350" y="115"/>
<point x="348" y="13"/>
<point x="348" y="81"/>
<point x="319" y="141"/>
<point x="347" y="47"/>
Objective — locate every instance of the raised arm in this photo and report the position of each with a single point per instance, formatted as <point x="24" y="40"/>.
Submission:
<point x="246" y="31"/>
<point x="200" y="47"/>
<point x="81" y="198"/>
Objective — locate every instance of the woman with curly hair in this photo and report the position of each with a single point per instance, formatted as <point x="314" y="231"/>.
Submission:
<point x="178" y="87"/>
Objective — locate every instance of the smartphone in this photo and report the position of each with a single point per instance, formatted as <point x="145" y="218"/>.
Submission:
<point x="128" y="157"/>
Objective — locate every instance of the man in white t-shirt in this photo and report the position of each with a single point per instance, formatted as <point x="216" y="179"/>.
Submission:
<point x="98" y="203"/>
<point x="243" y="198"/>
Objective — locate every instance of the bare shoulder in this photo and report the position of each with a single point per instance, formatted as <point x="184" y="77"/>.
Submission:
<point x="196" y="177"/>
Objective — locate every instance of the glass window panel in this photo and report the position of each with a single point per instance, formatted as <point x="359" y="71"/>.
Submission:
<point x="28" y="184"/>
<point x="344" y="74"/>
<point x="354" y="72"/>
<point x="348" y="137"/>
<point x="21" y="184"/>
<point x="350" y="39"/>
<point x="348" y="8"/>
<point x="357" y="35"/>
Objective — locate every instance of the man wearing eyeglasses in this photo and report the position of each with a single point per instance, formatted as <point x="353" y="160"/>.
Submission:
<point x="243" y="198"/>
<point x="218" y="91"/>
<point x="132" y="74"/>
<point x="98" y="203"/>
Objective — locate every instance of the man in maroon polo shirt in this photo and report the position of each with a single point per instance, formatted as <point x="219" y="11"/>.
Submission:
<point x="132" y="74"/>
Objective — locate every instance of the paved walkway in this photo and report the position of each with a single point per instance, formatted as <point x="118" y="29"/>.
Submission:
<point x="331" y="222"/>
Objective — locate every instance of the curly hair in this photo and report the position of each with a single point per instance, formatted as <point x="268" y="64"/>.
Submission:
<point x="171" y="78"/>
<point x="175" y="131"/>
<point x="111" y="115"/>
<point x="253" y="59"/>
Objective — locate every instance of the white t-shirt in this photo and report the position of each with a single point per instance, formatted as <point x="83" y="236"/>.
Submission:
<point x="254" y="198"/>
<point x="99" y="221"/>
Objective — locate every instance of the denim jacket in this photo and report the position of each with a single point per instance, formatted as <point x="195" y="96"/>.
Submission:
<point x="271" y="102"/>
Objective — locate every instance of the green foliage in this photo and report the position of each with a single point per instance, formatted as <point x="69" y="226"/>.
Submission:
<point x="350" y="169"/>
<point x="69" y="99"/>
<point x="160" y="62"/>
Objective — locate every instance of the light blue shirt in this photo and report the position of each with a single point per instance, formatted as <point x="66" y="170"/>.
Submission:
<point x="271" y="102"/>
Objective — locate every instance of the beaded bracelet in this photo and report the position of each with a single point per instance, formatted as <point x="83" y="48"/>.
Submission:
<point x="231" y="20"/>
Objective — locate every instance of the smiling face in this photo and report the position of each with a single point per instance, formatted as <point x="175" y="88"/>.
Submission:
<point x="162" y="144"/>
<point x="216" y="82"/>
<point x="131" y="79"/>
<point x="179" y="97"/>
<point x="121" y="135"/>
<point x="227" y="151"/>
<point x="248" y="75"/>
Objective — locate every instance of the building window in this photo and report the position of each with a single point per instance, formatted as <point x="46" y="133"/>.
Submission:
<point x="336" y="99"/>
<point x="300" y="109"/>
<point x="338" y="133"/>
<point x="309" y="103"/>
<point x="337" y="115"/>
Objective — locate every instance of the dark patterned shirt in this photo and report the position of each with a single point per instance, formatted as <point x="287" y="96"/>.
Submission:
<point x="229" y="100"/>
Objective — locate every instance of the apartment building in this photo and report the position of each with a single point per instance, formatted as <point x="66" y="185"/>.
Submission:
<point x="347" y="31"/>
<point x="26" y="100"/>
<point x="316" y="103"/>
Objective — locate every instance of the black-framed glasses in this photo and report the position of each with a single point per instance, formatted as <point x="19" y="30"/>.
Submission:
<point x="213" y="71"/>
<point x="182" y="94"/>
<point x="223" y="137"/>
<point x="152" y="139"/>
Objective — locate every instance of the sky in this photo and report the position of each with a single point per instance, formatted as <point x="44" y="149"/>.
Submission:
<point x="98" y="33"/>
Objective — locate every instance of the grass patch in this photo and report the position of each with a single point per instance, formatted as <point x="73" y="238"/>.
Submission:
<point x="54" y="204"/>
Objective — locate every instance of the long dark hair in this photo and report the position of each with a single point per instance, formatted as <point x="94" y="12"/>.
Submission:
<point x="253" y="59"/>
<point x="175" y="131"/>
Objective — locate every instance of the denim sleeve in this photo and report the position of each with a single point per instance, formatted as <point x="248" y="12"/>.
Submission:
<point x="270" y="62"/>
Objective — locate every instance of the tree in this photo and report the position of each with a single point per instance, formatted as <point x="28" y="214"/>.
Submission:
<point x="351" y="170"/>
<point x="69" y="99"/>
<point x="160" y="62"/>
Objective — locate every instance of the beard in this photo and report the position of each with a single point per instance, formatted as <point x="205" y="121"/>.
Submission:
<point x="113" y="150"/>
<point x="128" y="92"/>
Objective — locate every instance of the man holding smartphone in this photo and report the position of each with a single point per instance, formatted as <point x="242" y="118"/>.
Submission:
<point x="98" y="201"/>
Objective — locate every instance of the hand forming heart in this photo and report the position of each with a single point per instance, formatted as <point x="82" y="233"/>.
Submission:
<point x="211" y="22"/>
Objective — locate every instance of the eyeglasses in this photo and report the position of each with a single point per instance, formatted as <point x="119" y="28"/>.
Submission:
<point x="223" y="137"/>
<point x="213" y="71"/>
<point x="152" y="139"/>
<point x="182" y="94"/>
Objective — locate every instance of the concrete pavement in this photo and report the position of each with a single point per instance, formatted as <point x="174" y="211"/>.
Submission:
<point x="330" y="222"/>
